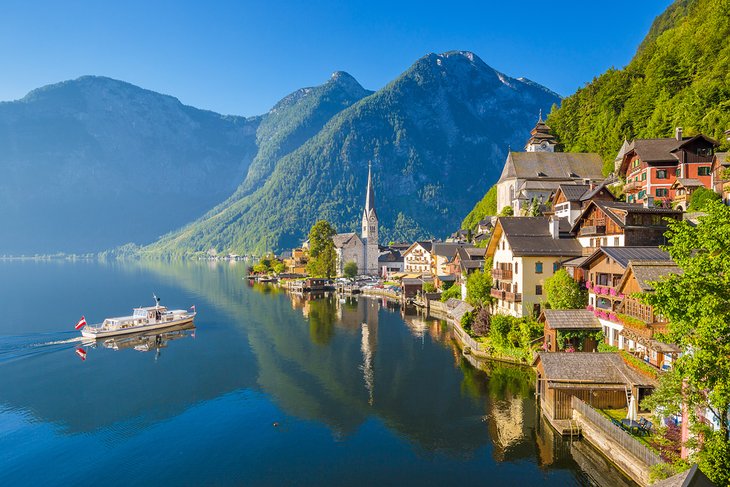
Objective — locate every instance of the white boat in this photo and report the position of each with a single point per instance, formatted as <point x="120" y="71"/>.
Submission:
<point x="142" y="319"/>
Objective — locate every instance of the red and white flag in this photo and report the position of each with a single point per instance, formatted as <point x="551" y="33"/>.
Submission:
<point x="81" y="323"/>
<point x="193" y="308"/>
<point x="81" y="353"/>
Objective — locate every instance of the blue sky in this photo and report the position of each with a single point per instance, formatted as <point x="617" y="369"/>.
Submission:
<point x="241" y="57"/>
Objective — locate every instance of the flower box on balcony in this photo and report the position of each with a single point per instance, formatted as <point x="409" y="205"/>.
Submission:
<point x="612" y="291"/>
<point x="589" y="307"/>
<point x="612" y="317"/>
<point x="589" y="285"/>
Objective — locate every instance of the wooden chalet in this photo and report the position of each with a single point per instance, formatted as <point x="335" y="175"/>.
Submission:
<point x="619" y="224"/>
<point x="640" y="322"/>
<point x="569" y="200"/>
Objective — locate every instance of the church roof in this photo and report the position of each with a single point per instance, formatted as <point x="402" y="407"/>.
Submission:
<point x="552" y="165"/>
<point x="370" y="196"/>
<point x="345" y="239"/>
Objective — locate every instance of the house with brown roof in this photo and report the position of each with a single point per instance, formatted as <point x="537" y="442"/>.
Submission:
<point x="619" y="224"/>
<point x="569" y="329"/>
<point x="651" y="166"/>
<point x="640" y="323"/>
<point x="604" y="270"/>
<point x="569" y="200"/>
<point x="602" y="380"/>
<point x="720" y="181"/>
<point x="525" y="251"/>
<point x="682" y="188"/>
<point x="537" y="173"/>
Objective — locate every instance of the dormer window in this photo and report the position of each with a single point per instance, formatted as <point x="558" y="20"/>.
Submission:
<point x="541" y="174"/>
<point x="704" y="151"/>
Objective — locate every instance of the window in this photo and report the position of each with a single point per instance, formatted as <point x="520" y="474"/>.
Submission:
<point x="703" y="171"/>
<point x="538" y="290"/>
<point x="661" y="174"/>
<point x="538" y="267"/>
<point x="556" y="266"/>
<point x="516" y="267"/>
<point x="616" y="242"/>
<point x="704" y="151"/>
<point x="643" y="176"/>
<point x="660" y="192"/>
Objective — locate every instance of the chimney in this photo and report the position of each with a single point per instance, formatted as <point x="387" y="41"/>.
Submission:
<point x="649" y="201"/>
<point x="554" y="223"/>
<point x="678" y="133"/>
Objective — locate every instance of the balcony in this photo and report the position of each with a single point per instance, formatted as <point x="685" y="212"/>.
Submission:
<point x="513" y="297"/>
<point x="502" y="274"/>
<point x="593" y="230"/>
<point x="634" y="186"/>
<point x="497" y="293"/>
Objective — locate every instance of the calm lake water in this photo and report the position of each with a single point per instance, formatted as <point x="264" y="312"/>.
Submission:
<point x="267" y="389"/>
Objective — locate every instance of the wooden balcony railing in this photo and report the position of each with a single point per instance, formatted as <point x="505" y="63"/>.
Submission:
<point x="502" y="274"/>
<point x="593" y="230"/>
<point x="633" y="187"/>
<point x="497" y="293"/>
<point x="513" y="297"/>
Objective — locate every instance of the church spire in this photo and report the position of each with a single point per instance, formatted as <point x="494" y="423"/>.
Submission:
<point x="369" y="197"/>
<point x="539" y="117"/>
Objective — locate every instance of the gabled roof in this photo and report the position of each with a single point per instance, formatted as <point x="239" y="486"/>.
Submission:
<point x="618" y="210"/>
<point x="647" y="272"/>
<point x="573" y="192"/>
<point x="529" y="235"/>
<point x="552" y="165"/>
<point x="688" y="140"/>
<point x="589" y="368"/>
<point x="622" y="255"/>
<point x="345" y="239"/>
<point x="570" y="319"/>
<point x="425" y="244"/>
<point x="654" y="150"/>
<point x="446" y="249"/>
<point x="687" y="183"/>
<point x="598" y="188"/>
<point x="391" y="256"/>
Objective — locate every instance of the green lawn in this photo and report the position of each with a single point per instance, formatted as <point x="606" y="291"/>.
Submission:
<point x="620" y="414"/>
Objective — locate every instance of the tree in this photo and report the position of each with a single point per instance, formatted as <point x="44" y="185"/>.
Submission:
<point x="507" y="211"/>
<point x="428" y="287"/>
<point x="700" y="197"/>
<point x="278" y="266"/>
<point x="350" y="269"/>
<point x="697" y="304"/>
<point x="562" y="292"/>
<point x="482" y="322"/>
<point x="478" y="288"/>
<point x="452" y="292"/>
<point x="322" y="255"/>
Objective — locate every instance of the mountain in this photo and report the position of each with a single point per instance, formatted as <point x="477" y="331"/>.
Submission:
<point x="679" y="77"/>
<point x="437" y="137"/>
<point x="92" y="163"/>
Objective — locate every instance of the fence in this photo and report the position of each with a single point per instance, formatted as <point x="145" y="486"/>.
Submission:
<point x="464" y="337"/>
<point x="616" y="434"/>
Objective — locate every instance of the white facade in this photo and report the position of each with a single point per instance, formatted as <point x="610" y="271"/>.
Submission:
<point x="417" y="260"/>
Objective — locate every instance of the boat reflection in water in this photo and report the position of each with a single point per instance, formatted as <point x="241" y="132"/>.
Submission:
<point x="152" y="340"/>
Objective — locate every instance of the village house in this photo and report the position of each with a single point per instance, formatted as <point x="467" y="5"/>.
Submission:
<point x="417" y="258"/>
<point x="569" y="329"/>
<point x="601" y="380"/>
<point x="651" y="166"/>
<point x="296" y="263"/>
<point x="682" y="189"/>
<point x="569" y="200"/>
<point x="619" y="224"/>
<point x="391" y="262"/>
<point x="525" y="251"/>
<point x="442" y="253"/>
<point x="639" y="322"/>
<point x="603" y="270"/>
<point x="536" y="173"/>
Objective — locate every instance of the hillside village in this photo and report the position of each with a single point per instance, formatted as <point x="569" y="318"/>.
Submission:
<point x="557" y="216"/>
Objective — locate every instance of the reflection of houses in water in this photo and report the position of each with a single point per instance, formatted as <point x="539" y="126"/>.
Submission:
<point x="506" y="425"/>
<point x="367" y="362"/>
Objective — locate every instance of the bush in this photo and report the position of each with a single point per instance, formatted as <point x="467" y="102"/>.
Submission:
<point x="350" y="269"/>
<point x="562" y="292"/>
<point x="482" y="322"/>
<point x="452" y="292"/>
<point x="428" y="287"/>
<point x="500" y="326"/>
<point x="466" y="320"/>
<point x="700" y="198"/>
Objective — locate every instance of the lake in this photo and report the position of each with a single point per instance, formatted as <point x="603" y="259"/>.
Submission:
<point x="266" y="389"/>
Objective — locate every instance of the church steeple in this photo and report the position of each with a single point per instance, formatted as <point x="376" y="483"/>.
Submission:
<point x="370" y="228"/>
<point x="541" y="138"/>
<point x="369" y="197"/>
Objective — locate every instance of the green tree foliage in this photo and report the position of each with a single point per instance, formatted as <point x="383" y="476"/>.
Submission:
<point x="562" y="292"/>
<point x="322" y="256"/>
<point x="452" y="292"/>
<point x="478" y="286"/>
<point x="507" y="211"/>
<point x="700" y="197"/>
<point x="278" y="266"/>
<point x="487" y="206"/>
<point x="350" y="269"/>
<point x="428" y="287"/>
<point x="680" y="76"/>
<point x="697" y="305"/>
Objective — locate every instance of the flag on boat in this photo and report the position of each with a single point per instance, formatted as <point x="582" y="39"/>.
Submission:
<point x="81" y="353"/>
<point x="193" y="308"/>
<point x="81" y="323"/>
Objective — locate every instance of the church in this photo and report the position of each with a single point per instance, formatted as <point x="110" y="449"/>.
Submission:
<point x="363" y="249"/>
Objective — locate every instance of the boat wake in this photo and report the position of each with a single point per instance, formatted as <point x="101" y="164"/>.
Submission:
<point x="13" y="347"/>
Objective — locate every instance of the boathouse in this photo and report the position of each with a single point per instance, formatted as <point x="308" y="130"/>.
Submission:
<point x="570" y="330"/>
<point x="601" y="380"/>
